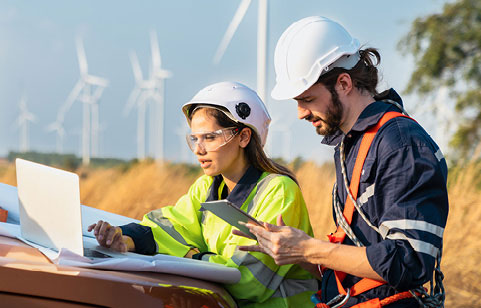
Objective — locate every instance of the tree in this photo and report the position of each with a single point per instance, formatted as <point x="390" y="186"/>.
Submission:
<point x="447" y="51"/>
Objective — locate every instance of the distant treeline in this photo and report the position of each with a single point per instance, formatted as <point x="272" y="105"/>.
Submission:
<point x="72" y="162"/>
<point x="66" y="161"/>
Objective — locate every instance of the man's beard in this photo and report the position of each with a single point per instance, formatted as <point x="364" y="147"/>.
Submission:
<point x="331" y="123"/>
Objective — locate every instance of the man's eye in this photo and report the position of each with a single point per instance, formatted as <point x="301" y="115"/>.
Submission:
<point x="193" y="139"/>
<point x="308" y="100"/>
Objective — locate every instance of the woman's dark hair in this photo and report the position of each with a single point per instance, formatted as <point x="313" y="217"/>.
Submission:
<point x="364" y="74"/>
<point x="254" y="152"/>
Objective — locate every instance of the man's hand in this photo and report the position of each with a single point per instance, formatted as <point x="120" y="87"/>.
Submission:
<point x="284" y="244"/>
<point x="111" y="237"/>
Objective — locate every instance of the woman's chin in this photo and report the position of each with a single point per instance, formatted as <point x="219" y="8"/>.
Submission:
<point x="210" y="171"/>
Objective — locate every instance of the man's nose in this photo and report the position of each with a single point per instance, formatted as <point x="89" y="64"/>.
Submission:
<point x="302" y="112"/>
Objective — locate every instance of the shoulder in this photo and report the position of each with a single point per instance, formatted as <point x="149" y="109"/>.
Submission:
<point x="201" y="185"/>
<point x="276" y="183"/>
<point x="402" y="132"/>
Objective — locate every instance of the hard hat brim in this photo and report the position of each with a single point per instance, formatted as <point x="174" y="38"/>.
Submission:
<point x="286" y="91"/>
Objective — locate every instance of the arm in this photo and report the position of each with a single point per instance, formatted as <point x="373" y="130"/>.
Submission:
<point x="287" y="245"/>
<point x="414" y="209"/>
<point x="174" y="230"/>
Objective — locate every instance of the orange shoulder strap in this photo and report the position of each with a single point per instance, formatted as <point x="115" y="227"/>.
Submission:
<point x="338" y="237"/>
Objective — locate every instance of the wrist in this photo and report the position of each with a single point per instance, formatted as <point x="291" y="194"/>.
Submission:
<point x="129" y="242"/>
<point x="316" y="251"/>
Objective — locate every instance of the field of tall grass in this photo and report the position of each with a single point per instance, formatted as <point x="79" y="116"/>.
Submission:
<point x="141" y="187"/>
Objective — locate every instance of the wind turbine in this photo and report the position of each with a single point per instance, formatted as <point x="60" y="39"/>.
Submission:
<point x="158" y="74"/>
<point x="57" y="126"/>
<point x="262" y="22"/>
<point x="24" y="117"/>
<point x="148" y="94"/>
<point x="285" y="129"/>
<point x="87" y="90"/>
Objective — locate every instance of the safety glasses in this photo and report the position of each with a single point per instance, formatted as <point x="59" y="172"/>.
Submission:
<point x="211" y="141"/>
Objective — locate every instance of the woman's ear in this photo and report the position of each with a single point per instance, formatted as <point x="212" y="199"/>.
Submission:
<point x="245" y="137"/>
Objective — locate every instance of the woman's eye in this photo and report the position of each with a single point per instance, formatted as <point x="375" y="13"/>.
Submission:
<point x="209" y="137"/>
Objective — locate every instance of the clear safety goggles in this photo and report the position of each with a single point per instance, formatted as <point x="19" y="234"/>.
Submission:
<point x="211" y="141"/>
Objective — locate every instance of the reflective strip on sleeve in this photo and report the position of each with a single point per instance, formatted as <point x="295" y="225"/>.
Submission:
<point x="410" y="224"/>
<point x="270" y="279"/>
<point x="291" y="287"/>
<point x="439" y="155"/>
<point x="366" y="195"/>
<point x="167" y="226"/>
<point x="417" y="245"/>
<point x="261" y="186"/>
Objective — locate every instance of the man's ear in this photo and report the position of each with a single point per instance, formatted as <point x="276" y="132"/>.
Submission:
<point x="344" y="84"/>
<point x="245" y="137"/>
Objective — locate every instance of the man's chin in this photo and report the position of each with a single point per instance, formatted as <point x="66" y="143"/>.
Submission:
<point x="323" y="131"/>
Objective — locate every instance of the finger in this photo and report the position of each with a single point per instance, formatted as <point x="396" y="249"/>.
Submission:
<point x="251" y="248"/>
<point x="124" y="247"/>
<point x="118" y="245"/>
<point x="97" y="227"/>
<point x="272" y="228"/>
<point x="90" y="228"/>
<point x="111" y="235"/>
<point x="240" y="233"/>
<point x="103" y="230"/>
<point x="280" y="221"/>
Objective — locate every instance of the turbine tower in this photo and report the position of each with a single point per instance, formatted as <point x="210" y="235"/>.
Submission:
<point x="148" y="95"/>
<point x="285" y="130"/>
<point x="87" y="90"/>
<point x="262" y="23"/>
<point x="24" y="117"/>
<point x="57" y="126"/>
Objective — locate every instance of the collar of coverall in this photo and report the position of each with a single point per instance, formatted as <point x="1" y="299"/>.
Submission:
<point x="240" y="192"/>
<point x="369" y="116"/>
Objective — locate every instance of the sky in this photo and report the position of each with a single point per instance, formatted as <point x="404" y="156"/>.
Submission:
<point x="38" y="59"/>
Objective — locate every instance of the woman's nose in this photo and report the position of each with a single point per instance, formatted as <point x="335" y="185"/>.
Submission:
<point x="199" y="149"/>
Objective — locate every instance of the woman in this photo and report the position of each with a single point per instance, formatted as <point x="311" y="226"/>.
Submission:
<point x="229" y="125"/>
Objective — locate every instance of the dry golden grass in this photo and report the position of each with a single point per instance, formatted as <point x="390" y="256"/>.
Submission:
<point x="147" y="186"/>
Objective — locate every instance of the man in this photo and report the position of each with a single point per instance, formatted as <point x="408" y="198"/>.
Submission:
<point x="390" y="199"/>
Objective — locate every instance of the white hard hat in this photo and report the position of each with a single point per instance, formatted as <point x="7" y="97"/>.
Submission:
<point x="243" y="104"/>
<point x="309" y="48"/>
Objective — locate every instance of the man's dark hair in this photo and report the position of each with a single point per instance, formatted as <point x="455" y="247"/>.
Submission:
<point x="364" y="74"/>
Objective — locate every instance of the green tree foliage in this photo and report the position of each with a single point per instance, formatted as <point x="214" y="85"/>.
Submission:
<point x="447" y="51"/>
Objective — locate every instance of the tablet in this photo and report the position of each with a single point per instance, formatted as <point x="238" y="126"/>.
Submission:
<point x="231" y="214"/>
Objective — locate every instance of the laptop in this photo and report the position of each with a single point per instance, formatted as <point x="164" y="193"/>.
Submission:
<point x="50" y="211"/>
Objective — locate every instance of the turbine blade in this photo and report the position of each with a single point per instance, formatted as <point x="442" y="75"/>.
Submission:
<point x="154" y="46"/>
<point x="231" y="29"/>
<point x="82" y="59"/>
<point x="73" y="95"/>
<point x="96" y="81"/>
<point x="131" y="101"/>
<point x="136" y="67"/>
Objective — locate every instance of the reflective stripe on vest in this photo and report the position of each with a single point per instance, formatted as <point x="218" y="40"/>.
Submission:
<point x="271" y="280"/>
<point x="364" y="284"/>
<point x="164" y="223"/>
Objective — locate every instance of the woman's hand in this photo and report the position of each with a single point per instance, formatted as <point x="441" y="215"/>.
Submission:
<point x="111" y="237"/>
<point x="283" y="243"/>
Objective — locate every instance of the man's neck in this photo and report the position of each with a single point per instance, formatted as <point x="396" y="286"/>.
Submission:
<point x="353" y="106"/>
